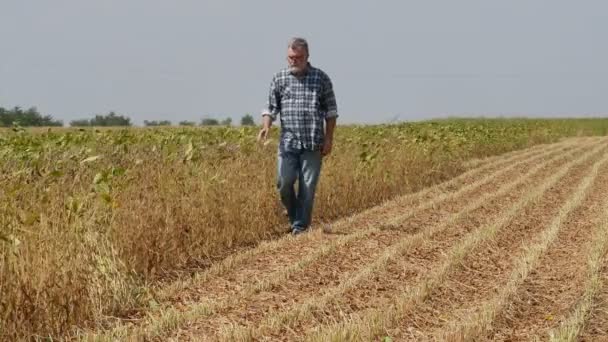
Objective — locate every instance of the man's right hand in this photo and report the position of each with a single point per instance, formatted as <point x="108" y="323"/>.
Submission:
<point x="266" y="123"/>
<point x="263" y="135"/>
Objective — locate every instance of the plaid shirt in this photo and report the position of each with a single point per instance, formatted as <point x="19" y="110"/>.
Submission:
<point x="303" y="104"/>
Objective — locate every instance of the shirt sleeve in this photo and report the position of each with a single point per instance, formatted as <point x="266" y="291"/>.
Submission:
<point x="328" y="99"/>
<point x="273" y="106"/>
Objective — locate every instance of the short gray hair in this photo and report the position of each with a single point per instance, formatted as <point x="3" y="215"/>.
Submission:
<point x="298" y="43"/>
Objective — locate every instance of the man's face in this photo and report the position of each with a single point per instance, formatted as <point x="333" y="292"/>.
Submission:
<point x="297" y="60"/>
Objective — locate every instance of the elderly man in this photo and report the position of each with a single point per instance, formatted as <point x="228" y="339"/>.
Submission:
<point x="303" y="97"/>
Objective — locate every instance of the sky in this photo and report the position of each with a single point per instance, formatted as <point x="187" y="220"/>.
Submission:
<point x="388" y="60"/>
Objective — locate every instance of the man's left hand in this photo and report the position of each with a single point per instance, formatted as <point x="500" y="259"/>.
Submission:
<point x="326" y="148"/>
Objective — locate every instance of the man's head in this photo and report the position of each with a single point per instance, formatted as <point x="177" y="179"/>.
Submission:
<point x="297" y="55"/>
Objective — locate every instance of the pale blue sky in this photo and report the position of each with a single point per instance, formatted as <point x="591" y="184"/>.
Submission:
<point x="183" y="60"/>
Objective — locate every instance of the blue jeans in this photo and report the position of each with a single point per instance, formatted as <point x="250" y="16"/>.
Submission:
<point x="305" y="166"/>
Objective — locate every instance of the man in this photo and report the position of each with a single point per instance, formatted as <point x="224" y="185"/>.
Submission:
<point x="303" y="97"/>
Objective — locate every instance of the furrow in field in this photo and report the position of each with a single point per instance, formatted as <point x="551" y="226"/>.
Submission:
<point x="387" y="210"/>
<point x="596" y="326"/>
<point x="479" y="162"/>
<point x="480" y="318"/>
<point x="489" y="202"/>
<point x="555" y="286"/>
<point x="371" y="320"/>
<point x="588" y="321"/>
<point x="299" y="252"/>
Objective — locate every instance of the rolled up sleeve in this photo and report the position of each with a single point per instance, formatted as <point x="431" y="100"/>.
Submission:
<point x="328" y="99"/>
<point x="273" y="106"/>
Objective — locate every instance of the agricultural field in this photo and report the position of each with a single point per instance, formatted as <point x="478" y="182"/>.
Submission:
<point x="440" y="230"/>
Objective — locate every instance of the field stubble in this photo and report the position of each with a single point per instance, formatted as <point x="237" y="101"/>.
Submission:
<point x="439" y="269"/>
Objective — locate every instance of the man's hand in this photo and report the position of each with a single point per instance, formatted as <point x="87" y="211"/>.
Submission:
<point x="327" y="145"/>
<point x="263" y="135"/>
<point x="330" y="125"/>
<point x="266" y="123"/>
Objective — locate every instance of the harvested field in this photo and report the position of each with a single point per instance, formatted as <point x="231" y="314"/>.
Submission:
<point x="513" y="249"/>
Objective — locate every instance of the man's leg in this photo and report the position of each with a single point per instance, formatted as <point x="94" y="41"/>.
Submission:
<point x="310" y="162"/>
<point x="288" y="165"/>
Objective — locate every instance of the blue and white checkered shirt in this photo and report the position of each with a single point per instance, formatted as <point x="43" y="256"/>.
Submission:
<point x="303" y="105"/>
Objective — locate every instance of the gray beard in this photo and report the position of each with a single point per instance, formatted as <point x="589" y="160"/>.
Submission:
<point x="296" y="70"/>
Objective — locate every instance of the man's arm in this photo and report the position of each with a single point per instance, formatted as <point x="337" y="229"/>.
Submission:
<point x="330" y="125"/>
<point x="269" y="114"/>
<point x="329" y="105"/>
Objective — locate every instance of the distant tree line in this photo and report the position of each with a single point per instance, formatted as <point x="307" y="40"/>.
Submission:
<point x="26" y="118"/>
<point x="216" y="122"/>
<point x="157" y="123"/>
<point x="113" y="119"/>
<point x="31" y="117"/>
<point x="110" y="119"/>
<point x="246" y="120"/>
